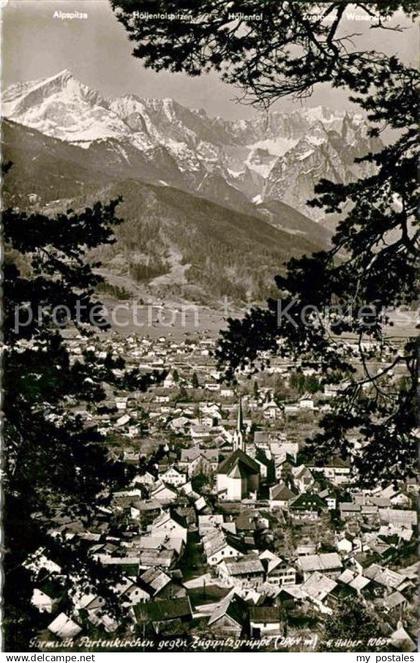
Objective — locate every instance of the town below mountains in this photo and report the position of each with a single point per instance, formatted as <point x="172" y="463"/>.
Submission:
<point x="212" y="207"/>
<point x="229" y="536"/>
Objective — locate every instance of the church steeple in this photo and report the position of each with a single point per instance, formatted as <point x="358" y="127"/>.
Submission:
<point x="239" y="435"/>
<point x="240" y="419"/>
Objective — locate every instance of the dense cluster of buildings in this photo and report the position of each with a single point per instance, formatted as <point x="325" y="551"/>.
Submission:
<point x="227" y="527"/>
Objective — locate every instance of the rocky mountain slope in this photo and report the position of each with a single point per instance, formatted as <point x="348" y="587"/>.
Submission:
<point x="236" y="163"/>
<point x="171" y="242"/>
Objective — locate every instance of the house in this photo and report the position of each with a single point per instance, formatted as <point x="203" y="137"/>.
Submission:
<point x="199" y="461"/>
<point x="230" y="617"/>
<point x="355" y="581"/>
<point x="303" y="478"/>
<point x="33" y="198"/>
<point x="398" y="517"/>
<point x="156" y="558"/>
<point x="411" y="572"/>
<point x="126" y="498"/>
<point x="400" y="500"/>
<point x="270" y="560"/>
<point x="403" y="533"/>
<point x="328" y="564"/>
<point x="162" y="541"/>
<point x="329" y="499"/>
<point x="148" y="510"/>
<point x="121" y="403"/>
<point x="246" y="522"/>
<point x="122" y="421"/>
<point x="43" y="601"/>
<point x="64" y="627"/>
<point x="200" y="504"/>
<point x="262" y="440"/>
<point x="280" y="496"/>
<point x="161" y="399"/>
<point x="381" y="548"/>
<point x="154" y="580"/>
<point x="128" y="564"/>
<point x="306" y="549"/>
<point x="209" y="522"/>
<point x="169" y="382"/>
<point x="171" y="524"/>
<point x="317" y="587"/>
<point x="395" y="496"/>
<point x="237" y="477"/>
<point x="337" y="471"/>
<point x="281" y="453"/>
<point x="291" y="408"/>
<point x="395" y="601"/>
<point x="306" y="402"/>
<point x="307" y="506"/>
<point x="246" y="572"/>
<point x="263" y="465"/>
<point x="284" y="574"/>
<point x="160" y="613"/>
<point x="98" y="617"/>
<point x="401" y="640"/>
<point x="48" y="595"/>
<point x="94" y="607"/>
<point x="180" y="424"/>
<point x="163" y="494"/>
<point x="331" y="390"/>
<point x="218" y="546"/>
<point x="277" y="572"/>
<point x="265" y="621"/>
<point x="412" y="485"/>
<point x="86" y="601"/>
<point x="130" y="593"/>
<point x="386" y="578"/>
<point x="187" y="514"/>
<point x="349" y="510"/>
<point x="173" y="477"/>
<point x="38" y="560"/>
<point x="271" y="410"/>
<point x="206" y="597"/>
<point x="145" y="479"/>
<point x="212" y="386"/>
<point x="159" y="584"/>
<point x="344" y="546"/>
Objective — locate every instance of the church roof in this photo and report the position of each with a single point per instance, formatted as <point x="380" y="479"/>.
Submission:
<point x="240" y="461"/>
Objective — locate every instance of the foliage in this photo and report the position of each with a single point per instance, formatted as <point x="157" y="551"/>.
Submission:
<point x="303" y="383"/>
<point x="351" y="621"/>
<point x="294" y="45"/>
<point x="114" y="290"/>
<point x="198" y="482"/>
<point x="56" y="465"/>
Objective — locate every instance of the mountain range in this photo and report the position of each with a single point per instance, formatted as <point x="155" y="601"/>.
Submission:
<point x="233" y="162"/>
<point x="212" y="207"/>
<point x="171" y="242"/>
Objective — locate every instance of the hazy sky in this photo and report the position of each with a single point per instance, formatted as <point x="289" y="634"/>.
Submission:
<point x="98" y="52"/>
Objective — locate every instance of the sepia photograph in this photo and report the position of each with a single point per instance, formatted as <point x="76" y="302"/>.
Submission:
<point x="209" y="328"/>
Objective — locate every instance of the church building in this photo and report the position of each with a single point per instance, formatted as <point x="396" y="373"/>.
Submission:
<point x="238" y="476"/>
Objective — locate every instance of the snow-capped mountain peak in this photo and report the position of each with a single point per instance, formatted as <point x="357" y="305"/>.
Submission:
<point x="276" y="154"/>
